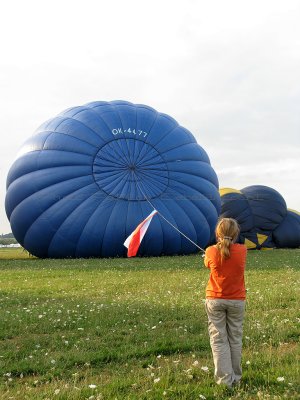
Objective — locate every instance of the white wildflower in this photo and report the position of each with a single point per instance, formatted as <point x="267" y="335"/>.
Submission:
<point x="92" y="386"/>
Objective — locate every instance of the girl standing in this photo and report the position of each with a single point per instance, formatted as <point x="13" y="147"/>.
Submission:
<point x="225" y="301"/>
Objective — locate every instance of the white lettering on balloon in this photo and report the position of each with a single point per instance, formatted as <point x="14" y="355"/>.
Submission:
<point x="135" y="132"/>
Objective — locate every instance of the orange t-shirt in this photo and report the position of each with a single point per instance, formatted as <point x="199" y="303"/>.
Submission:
<point x="226" y="279"/>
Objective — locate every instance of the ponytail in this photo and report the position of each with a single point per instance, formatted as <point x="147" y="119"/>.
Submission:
<point x="223" y="246"/>
<point x="227" y="231"/>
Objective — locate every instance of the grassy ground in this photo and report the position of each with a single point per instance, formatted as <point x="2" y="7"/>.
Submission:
<point x="136" y="328"/>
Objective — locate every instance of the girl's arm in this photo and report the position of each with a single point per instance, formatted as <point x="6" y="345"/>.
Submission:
<point x="207" y="259"/>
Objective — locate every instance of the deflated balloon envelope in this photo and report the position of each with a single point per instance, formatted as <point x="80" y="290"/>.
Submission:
<point x="78" y="186"/>
<point x="263" y="217"/>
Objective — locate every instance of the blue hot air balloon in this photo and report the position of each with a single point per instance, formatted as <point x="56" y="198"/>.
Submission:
<point x="89" y="176"/>
<point x="263" y="217"/>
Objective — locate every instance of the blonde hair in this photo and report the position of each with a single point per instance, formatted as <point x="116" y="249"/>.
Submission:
<point x="227" y="232"/>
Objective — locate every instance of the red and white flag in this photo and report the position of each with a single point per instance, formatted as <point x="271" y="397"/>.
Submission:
<point x="134" y="240"/>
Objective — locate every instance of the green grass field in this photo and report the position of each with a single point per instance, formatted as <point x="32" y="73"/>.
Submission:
<point x="137" y="329"/>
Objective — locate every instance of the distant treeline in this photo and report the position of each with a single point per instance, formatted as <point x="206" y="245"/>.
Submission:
<point x="7" y="238"/>
<point x="7" y="235"/>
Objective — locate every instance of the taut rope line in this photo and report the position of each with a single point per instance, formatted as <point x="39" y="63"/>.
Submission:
<point x="164" y="218"/>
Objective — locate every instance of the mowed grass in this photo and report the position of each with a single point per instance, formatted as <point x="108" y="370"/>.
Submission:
<point x="137" y="329"/>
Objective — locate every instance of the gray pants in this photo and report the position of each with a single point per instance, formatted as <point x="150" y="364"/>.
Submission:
<point x="225" y="327"/>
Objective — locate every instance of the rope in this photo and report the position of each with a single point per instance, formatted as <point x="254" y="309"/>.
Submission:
<point x="164" y="218"/>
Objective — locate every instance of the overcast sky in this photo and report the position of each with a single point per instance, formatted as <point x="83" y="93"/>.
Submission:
<point x="229" y="71"/>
